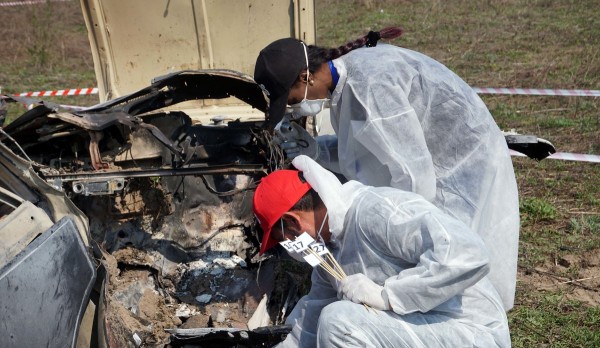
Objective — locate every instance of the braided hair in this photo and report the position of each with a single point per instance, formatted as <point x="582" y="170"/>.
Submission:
<point x="318" y="55"/>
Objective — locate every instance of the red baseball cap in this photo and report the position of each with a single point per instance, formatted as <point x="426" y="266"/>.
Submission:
<point x="275" y="195"/>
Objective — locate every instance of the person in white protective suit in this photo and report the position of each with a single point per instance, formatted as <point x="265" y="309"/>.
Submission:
<point x="403" y="120"/>
<point x="420" y="271"/>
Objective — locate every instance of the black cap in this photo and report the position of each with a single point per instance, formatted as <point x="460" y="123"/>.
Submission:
<point x="277" y="68"/>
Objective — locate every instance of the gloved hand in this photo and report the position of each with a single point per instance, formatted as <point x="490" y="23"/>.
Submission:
<point x="295" y="140"/>
<point x="358" y="288"/>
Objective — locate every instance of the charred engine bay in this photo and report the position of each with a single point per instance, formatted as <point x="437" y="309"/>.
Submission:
<point x="169" y="205"/>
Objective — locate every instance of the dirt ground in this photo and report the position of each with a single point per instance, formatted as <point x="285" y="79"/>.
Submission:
<point x="584" y="288"/>
<point x="556" y="254"/>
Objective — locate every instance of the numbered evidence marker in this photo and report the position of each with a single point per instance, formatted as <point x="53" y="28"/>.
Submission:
<point x="316" y="254"/>
<point x="301" y="245"/>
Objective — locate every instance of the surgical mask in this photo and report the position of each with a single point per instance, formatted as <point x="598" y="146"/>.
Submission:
<point x="319" y="237"/>
<point x="308" y="107"/>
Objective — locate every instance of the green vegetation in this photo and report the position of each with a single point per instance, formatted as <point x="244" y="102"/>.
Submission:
<point x="44" y="47"/>
<point x="536" y="209"/>
<point x="585" y="225"/>
<point x="552" y="320"/>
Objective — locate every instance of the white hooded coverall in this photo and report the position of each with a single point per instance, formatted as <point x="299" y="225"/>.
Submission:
<point x="431" y="266"/>
<point x="404" y="120"/>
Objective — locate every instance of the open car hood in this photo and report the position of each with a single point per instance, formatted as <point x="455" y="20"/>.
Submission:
<point x="198" y="85"/>
<point x="136" y="40"/>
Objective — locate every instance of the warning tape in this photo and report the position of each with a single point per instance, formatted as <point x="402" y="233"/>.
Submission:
<point x="531" y="91"/>
<point x="486" y="90"/>
<point x="565" y="156"/>
<point x="29" y="2"/>
<point x="60" y="92"/>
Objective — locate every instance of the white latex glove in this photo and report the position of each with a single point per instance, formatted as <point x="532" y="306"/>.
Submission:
<point x="358" y="288"/>
<point x="295" y="140"/>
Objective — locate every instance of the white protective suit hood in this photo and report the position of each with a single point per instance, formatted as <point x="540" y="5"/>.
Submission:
<point x="404" y="120"/>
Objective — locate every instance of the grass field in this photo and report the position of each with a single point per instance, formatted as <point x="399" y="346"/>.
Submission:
<point x="507" y="43"/>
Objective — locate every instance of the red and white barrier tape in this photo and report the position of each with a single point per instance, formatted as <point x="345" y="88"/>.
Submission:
<point x="531" y="91"/>
<point x="29" y="2"/>
<point x="60" y="92"/>
<point x="486" y="90"/>
<point x="565" y="156"/>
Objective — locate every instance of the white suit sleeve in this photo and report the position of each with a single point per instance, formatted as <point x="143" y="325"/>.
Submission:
<point x="305" y="316"/>
<point x="384" y="123"/>
<point x="442" y="257"/>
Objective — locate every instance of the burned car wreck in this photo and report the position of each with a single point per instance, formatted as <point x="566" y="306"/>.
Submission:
<point x="130" y="223"/>
<point x="158" y="244"/>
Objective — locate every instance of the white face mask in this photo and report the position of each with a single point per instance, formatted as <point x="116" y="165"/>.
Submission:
<point x="308" y="107"/>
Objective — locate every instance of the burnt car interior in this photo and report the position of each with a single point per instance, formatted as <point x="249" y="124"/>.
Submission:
<point x="167" y="253"/>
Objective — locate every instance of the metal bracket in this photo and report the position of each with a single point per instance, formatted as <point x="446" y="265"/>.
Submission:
<point x="96" y="188"/>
